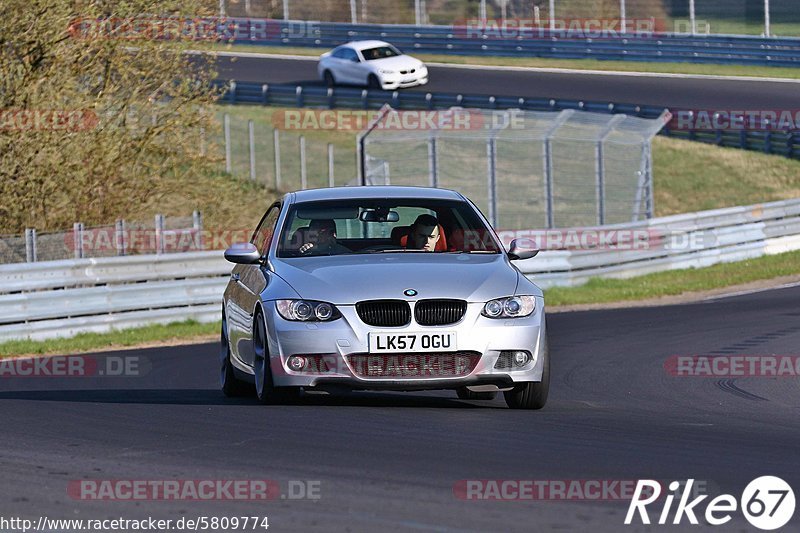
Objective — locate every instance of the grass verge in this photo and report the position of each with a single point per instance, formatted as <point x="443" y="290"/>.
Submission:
<point x="676" y="282"/>
<point x="87" y="342"/>
<point x="541" y="62"/>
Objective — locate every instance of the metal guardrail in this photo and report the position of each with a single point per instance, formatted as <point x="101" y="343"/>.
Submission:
<point x="461" y="40"/>
<point x="63" y="298"/>
<point x="785" y="143"/>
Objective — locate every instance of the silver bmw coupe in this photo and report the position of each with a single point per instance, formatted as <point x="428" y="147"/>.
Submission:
<point x="382" y="288"/>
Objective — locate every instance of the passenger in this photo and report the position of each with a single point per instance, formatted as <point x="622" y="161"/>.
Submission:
<point x="322" y="239"/>
<point x="424" y="233"/>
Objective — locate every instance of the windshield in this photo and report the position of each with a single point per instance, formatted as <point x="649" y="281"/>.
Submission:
<point x="380" y="52"/>
<point x="384" y="226"/>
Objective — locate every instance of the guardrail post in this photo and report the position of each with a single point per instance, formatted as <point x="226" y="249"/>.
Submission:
<point x="364" y="100"/>
<point x="330" y="165"/>
<point x="491" y="156"/>
<point x="197" y="226"/>
<point x="119" y="233"/>
<point x="251" y="137"/>
<point x="429" y="100"/>
<point x="331" y="98"/>
<point x="232" y="91"/>
<point x="768" y="142"/>
<point x="299" y="95"/>
<point x="226" y="123"/>
<point x="276" y="146"/>
<point x="30" y="245"/>
<point x="303" y="176"/>
<point x="77" y="239"/>
<point x="265" y="94"/>
<point x="159" y="227"/>
<point x="790" y="144"/>
<point x="433" y="167"/>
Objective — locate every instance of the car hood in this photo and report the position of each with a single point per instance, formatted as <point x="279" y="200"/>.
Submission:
<point x="347" y="279"/>
<point x="400" y="62"/>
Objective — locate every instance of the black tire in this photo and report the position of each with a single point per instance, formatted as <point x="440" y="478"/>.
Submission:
<point x="532" y="395"/>
<point x="230" y="385"/>
<point x="266" y="391"/>
<point x="373" y="82"/>
<point x="466" y="394"/>
<point x="330" y="81"/>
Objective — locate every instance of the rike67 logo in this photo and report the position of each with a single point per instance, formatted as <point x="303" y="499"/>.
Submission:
<point x="767" y="503"/>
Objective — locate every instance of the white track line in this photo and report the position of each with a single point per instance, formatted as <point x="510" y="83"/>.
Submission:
<point x="549" y="70"/>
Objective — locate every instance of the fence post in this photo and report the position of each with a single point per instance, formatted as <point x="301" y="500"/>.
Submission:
<point x="221" y="8"/>
<point x="433" y="167"/>
<point x="30" y="245"/>
<point x="159" y="227"/>
<point x="650" y="212"/>
<point x="353" y="16"/>
<point x="252" y="142"/>
<point x="692" y="17"/>
<point x="197" y="225"/>
<point x="552" y="15"/>
<point x="276" y="144"/>
<point x="547" y="153"/>
<point x="600" y="167"/>
<point x="331" y="182"/>
<point x="303" y="175"/>
<point x="77" y="239"/>
<point x="766" y="19"/>
<point x="227" y="129"/>
<point x="285" y="9"/>
<point x="622" y="15"/>
<point x="491" y="156"/>
<point x="119" y="230"/>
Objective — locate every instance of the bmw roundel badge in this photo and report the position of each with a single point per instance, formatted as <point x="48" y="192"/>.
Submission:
<point x="410" y="292"/>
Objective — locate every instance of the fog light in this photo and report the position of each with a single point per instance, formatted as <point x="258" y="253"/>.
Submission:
<point x="521" y="358"/>
<point x="297" y="363"/>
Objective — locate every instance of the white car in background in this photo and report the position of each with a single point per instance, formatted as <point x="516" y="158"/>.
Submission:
<point x="376" y="64"/>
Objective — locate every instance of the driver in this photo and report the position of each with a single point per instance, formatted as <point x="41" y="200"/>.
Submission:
<point x="424" y="233"/>
<point x="322" y="239"/>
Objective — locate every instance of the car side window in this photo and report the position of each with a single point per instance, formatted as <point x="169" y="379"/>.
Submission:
<point x="338" y="53"/>
<point x="263" y="235"/>
<point x="350" y="55"/>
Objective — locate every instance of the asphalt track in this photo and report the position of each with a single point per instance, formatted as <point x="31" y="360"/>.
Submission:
<point x="389" y="461"/>
<point x="672" y="92"/>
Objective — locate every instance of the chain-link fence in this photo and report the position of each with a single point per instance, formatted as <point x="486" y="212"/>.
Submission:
<point x="523" y="169"/>
<point x="280" y="158"/>
<point x="753" y="17"/>
<point x="162" y="235"/>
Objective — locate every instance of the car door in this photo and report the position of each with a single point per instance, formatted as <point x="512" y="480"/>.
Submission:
<point x="248" y="283"/>
<point x="353" y="66"/>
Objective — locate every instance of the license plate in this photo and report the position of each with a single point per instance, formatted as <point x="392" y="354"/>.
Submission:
<point x="411" y="342"/>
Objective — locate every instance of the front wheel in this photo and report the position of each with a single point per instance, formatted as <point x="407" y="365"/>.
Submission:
<point x="533" y="394"/>
<point x="373" y="82"/>
<point x="266" y="391"/>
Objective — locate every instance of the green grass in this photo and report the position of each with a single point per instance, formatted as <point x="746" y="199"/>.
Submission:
<point x="87" y="342"/>
<point x="538" y="62"/>
<point x="676" y="282"/>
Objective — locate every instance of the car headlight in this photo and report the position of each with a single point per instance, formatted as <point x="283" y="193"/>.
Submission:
<point x="382" y="71"/>
<point x="307" y="310"/>
<point x="511" y="307"/>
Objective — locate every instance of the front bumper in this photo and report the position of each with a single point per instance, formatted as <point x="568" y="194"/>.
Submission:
<point x="348" y="336"/>
<point x="390" y="82"/>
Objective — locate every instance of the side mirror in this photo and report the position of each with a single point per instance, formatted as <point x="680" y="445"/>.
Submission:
<point x="244" y="253"/>
<point x="522" y="249"/>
